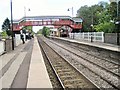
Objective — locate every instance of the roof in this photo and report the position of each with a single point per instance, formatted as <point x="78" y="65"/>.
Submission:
<point x="54" y="29"/>
<point x="77" y="19"/>
<point x="48" y="17"/>
<point x="34" y="18"/>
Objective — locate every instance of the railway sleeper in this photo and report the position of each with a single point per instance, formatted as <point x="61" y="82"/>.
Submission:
<point x="77" y="82"/>
<point x="66" y="74"/>
<point x="62" y="70"/>
<point x="69" y="77"/>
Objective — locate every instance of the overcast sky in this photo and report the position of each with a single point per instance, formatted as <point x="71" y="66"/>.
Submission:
<point x="41" y="7"/>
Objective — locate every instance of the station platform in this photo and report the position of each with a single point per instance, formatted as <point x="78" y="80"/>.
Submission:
<point x="106" y="46"/>
<point x="24" y="67"/>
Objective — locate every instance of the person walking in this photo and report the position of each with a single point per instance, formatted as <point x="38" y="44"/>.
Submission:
<point x="22" y="38"/>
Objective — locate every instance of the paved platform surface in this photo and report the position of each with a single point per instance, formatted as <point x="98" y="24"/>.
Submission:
<point x="107" y="46"/>
<point x="24" y="67"/>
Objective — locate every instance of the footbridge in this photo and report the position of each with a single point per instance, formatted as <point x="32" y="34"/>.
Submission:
<point x="56" y="21"/>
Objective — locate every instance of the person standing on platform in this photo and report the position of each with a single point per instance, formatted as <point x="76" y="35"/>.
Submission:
<point x="22" y="38"/>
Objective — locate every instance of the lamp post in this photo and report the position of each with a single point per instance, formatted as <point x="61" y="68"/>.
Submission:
<point x="91" y="32"/>
<point x="25" y="21"/>
<point x="71" y="9"/>
<point x="91" y="26"/>
<point x="12" y="25"/>
<point x="24" y="31"/>
<point x="117" y="9"/>
<point x="117" y="23"/>
<point x="25" y="11"/>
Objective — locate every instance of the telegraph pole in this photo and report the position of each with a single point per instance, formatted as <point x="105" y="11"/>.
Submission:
<point x="71" y="10"/>
<point x="12" y="25"/>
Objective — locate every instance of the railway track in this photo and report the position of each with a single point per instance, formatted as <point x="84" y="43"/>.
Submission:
<point x="94" y="54"/>
<point x="51" y="72"/>
<point x="101" y="73"/>
<point x="88" y="50"/>
<point x="67" y="74"/>
<point x="109" y="66"/>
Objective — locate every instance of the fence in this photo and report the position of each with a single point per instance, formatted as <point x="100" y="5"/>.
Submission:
<point x="7" y="44"/>
<point x="17" y="39"/>
<point x="2" y="47"/>
<point x="95" y="36"/>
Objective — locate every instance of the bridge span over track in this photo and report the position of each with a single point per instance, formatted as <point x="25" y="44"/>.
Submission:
<point x="57" y="21"/>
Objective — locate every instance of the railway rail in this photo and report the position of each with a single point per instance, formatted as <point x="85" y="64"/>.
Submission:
<point x="68" y="75"/>
<point x="102" y="75"/>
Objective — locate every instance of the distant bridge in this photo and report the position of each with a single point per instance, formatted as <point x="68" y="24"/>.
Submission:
<point x="57" y="21"/>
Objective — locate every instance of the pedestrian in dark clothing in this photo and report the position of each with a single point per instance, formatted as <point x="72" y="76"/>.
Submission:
<point x="22" y="38"/>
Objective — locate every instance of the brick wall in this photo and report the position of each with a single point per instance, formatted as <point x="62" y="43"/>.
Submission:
<point x="111" y="38"/>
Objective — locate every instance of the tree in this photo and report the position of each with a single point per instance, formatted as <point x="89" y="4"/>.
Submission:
<point x="113" y="10"/>
<point x="45" y="31"/>
<point x="89" y="15"/>
<point x="29" y="28"/>
<point x="85" y="13"/>
<point x="4" y="34"/>
<point x="106" y="27"/>
<point x="99" y="15"/>
<point x="6" y="27"/>
<point x="104" y="18"/>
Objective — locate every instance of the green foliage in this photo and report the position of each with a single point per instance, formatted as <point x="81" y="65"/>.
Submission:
<point x="45" y="31"/>
<point x="29" y="28"/>
<point x="113" y="11"/>
<point x="90" y="15"/>
<point x="106" y="27"/>
<point x="4" y="34"/>
<point x="85" y="13"/>
<point x="39" y="32"/>
<point x="6" y="27"/>
<point x="100" y="16"/>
